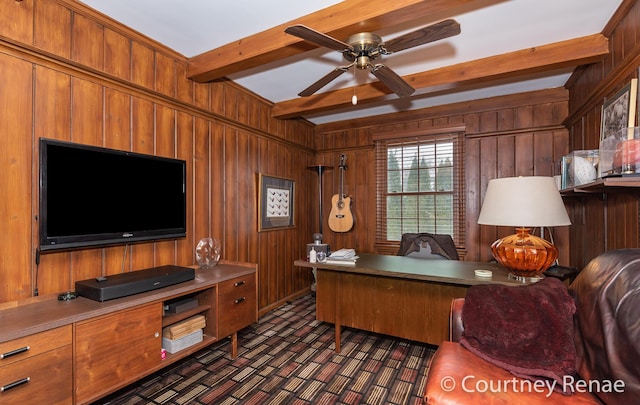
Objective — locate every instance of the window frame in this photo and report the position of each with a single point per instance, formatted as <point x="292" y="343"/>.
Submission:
<point x="385" y="140"/>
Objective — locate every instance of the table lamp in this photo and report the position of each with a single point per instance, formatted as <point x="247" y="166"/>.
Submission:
<point x="524" y="202"/>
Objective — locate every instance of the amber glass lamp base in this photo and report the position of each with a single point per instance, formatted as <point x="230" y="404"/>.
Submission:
<point x="523" y="254"/>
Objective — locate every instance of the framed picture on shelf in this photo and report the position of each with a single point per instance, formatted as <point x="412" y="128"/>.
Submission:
<point x="275" y="203"/>
<point x="617" y="139"/>
<point x="619" y="111"/>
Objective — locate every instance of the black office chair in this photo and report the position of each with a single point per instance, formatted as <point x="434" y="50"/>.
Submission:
<point x="428" y="246"/>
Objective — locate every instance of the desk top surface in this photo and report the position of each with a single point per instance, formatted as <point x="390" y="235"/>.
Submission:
<point x="443" y="271"/>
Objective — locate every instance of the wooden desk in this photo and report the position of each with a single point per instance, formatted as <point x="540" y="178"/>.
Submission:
<point x="396" y="295"/>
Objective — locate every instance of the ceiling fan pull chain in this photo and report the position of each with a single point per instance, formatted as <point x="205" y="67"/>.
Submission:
<point x="354" y="99"/>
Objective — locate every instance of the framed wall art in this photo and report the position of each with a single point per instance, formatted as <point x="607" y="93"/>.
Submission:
<point x="275" y="203"/>
<point x="619" y="111"/>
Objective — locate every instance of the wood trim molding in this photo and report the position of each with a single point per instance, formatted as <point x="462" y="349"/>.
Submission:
<point x="507" y="132"/>
<point x="558" y="94"/>
<point x="417" y="132"/>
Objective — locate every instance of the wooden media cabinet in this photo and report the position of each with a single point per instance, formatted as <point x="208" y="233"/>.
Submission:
<point x="77" y="351"/>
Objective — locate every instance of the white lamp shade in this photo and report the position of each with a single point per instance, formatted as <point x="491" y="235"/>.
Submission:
<point x="523" y="202"/>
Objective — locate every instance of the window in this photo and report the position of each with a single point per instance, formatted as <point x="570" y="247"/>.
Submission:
<point x="420" y="185"/>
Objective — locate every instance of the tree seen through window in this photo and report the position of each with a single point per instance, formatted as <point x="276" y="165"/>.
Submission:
<point x="420" y="187"/>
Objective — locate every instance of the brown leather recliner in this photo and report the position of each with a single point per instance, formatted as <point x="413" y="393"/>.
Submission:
<point x="606" y="337"/>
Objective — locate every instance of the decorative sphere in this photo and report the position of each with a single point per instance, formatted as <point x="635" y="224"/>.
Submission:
<point x="208" y="253"/>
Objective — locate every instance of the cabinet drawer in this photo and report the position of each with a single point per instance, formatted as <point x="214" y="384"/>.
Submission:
<point x="238" y="305"/>
<point x="43" y="379"/>
<point x="32" y="345"/>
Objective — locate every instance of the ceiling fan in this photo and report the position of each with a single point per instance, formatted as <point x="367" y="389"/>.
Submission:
<point x="361" y="49"/>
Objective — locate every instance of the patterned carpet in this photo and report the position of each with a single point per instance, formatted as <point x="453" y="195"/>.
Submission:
<point x="288" y="358"/>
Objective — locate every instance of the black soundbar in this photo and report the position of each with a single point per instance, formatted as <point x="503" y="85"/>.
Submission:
<point x="135" y="282"/>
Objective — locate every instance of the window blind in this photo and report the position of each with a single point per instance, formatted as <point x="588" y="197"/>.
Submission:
<point x="420" y="185"/>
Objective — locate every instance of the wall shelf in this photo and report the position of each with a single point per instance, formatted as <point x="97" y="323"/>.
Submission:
<point x="608" y="184"/>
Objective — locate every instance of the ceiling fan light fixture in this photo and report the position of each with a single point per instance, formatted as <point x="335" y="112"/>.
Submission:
<point x="362" y="62"/>
<point x="361" y="49"/>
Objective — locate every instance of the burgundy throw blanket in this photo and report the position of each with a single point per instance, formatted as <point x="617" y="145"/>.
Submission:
<point x="527" y="330"/>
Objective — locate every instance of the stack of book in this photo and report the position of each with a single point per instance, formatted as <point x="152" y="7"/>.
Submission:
<point x="343" y="256"/>
<point x="183" y="334"/>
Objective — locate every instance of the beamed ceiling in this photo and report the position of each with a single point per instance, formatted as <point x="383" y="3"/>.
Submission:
<point x="504" y="47"/>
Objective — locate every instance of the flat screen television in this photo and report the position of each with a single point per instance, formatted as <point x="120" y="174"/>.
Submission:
<point x="93" y="196"/>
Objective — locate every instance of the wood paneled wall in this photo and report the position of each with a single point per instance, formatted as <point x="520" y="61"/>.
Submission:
<point x="69" y="73"/>
<point x="604" y="221"/>
<point x="518" y="135"/>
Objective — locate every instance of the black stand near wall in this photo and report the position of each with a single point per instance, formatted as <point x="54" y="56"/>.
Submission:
<point x="317" y="237"/>
<point x="320" y="169"/>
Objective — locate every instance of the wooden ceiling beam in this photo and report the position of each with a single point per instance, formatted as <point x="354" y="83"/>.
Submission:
<point x="548" y="57"/>
<point x="339" y="21"/>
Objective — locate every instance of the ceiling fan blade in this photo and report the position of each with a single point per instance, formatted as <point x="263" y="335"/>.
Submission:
<point x="322" y="82"/>
<point x="441" y="30"/>
<point x="392" y="80"/>
<point x="317" y="38"/>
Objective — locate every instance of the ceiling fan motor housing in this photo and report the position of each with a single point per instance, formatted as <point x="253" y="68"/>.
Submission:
<point x="366" y="47"/>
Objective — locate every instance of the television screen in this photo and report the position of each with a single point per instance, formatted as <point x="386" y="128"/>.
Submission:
<point x="93" y="196"/>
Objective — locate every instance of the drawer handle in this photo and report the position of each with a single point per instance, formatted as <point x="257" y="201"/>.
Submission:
<point x="240" y="300"/>
<point x="14" y="352"/>
<point x="239" y="283"/>
<point x="15" y="384"/>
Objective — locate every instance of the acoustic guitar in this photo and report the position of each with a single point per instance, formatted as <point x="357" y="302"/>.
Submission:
<point x="340" y="217"/>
